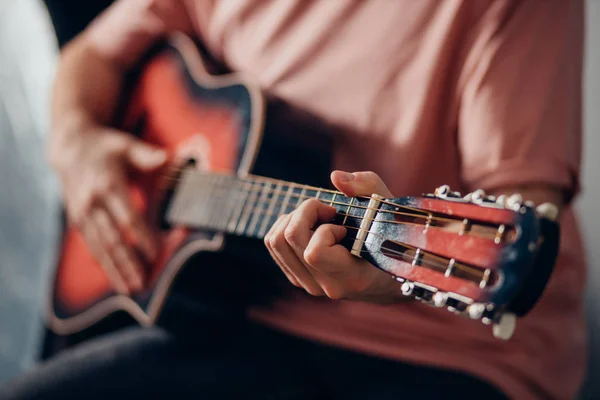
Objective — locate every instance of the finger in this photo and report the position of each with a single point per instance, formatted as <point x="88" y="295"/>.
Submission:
<point x="107" y="232"/>
<point x="339" y="273"/>
<point x="289" y="260"/>
<point x="130" y="222"/>
<point x="92" y="237"/>
<point x="277" y="229"/>
<point x="300" y="227"/>
<point x="129" y="266"/>
<point x="285" y="269"/>
<point x="363" y="183"/>
<point x="145" y="157"/>
<point x="281" y="265"/>
<point x="324" y="253"/>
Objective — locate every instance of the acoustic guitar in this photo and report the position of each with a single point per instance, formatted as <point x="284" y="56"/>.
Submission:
<point x="238" y="162"/>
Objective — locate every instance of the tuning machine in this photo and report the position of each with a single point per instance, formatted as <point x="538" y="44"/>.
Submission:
<point x="548" y="211"/>
<point x="418" y="291"/>
<point x="513" y="202"/>
<point x="476" y="197"/>
<point x="503" y="323"/>
<point x="505" y="327"/>
<point x="444" y="192"/>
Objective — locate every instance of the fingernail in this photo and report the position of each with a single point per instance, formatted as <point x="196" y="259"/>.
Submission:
<point x="345" y="176"/>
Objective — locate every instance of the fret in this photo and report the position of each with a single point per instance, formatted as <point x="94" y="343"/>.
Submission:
<point x="202" y="200"/>
<point x="259" y="208"/>
<point x="232" y="192"/>
<point x="215" y="202"/>
<point x="248" y="207"/>
<point x="296" y="198"/>
<point x="301" y="197"/>
<point x="286" y="199"/>
<point x="266" y="223"/>
<point x="241" y="198"/>
<point x="310" y="193"/>
<point x="193" y="204"/>
<point x="348" y="211"/>
<point x="188" y="193"/>
<point x="325" y="197"/>
<point x="342" y="201"/>
<point x="176" y="208"/>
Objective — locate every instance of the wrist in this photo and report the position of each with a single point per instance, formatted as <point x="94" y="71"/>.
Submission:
<point x="66" y="137"/>
<point x="71" y="124"/>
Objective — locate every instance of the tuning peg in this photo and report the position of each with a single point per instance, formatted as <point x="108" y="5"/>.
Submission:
<point x="476" y="310"/>
<point x="548" y="210"/>
<point x="501" y="200"/>
<point x="442" y="191"/>
<point x="505" y="328"/>
<point x="477" y="196"/>
<point x="514" y="202"/>
<point x="440" y="299"/>
<point x="407" y="288"/>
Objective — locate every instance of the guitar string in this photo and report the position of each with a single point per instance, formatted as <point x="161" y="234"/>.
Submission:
<point x="443" y="261"/>
<point x="260" y="180"/>
<point x="255" y="179"/>
<point x="262" y="207"/>
<point x="267" y="213"/>
<point x="467" y="269"/>
<point x="417" y="214"/>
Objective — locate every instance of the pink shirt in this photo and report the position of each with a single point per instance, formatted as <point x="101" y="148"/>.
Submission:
<point x="475" y="94"/>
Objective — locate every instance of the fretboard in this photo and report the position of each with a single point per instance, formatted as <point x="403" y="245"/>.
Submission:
<point x="250" y="206"/>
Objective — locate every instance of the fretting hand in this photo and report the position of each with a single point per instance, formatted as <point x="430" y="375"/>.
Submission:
<point x="307" y="248"/>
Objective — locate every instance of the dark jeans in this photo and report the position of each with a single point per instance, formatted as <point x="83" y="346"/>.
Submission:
<point x="238" y="361"/>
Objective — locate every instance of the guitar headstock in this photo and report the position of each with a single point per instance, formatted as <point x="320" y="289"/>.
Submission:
<point x="482" y="257"/>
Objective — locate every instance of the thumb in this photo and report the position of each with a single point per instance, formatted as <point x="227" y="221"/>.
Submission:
<point x="359" y="183"/>
<point x="145" y="157"/>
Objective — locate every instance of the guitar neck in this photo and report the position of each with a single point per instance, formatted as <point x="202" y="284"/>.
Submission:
<point x="249" y="206"/>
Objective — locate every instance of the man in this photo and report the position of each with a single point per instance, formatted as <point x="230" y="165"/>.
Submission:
<point x="476" y="94"/>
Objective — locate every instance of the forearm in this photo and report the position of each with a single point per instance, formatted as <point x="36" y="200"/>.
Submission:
<point x="86" y="89"/>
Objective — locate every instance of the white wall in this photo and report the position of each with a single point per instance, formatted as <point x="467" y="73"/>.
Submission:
<point x="28" y="194"/>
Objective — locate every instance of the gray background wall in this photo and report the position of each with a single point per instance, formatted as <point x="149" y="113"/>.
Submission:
<point x="590" y="201"/>
<point x="28" y="194"/>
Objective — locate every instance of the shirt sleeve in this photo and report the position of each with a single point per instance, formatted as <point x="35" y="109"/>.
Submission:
<point x="519" y="119"/>
<point x="128" y="27"/>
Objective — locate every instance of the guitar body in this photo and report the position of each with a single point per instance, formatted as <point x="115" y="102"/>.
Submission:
<point x="219" y="123"/>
